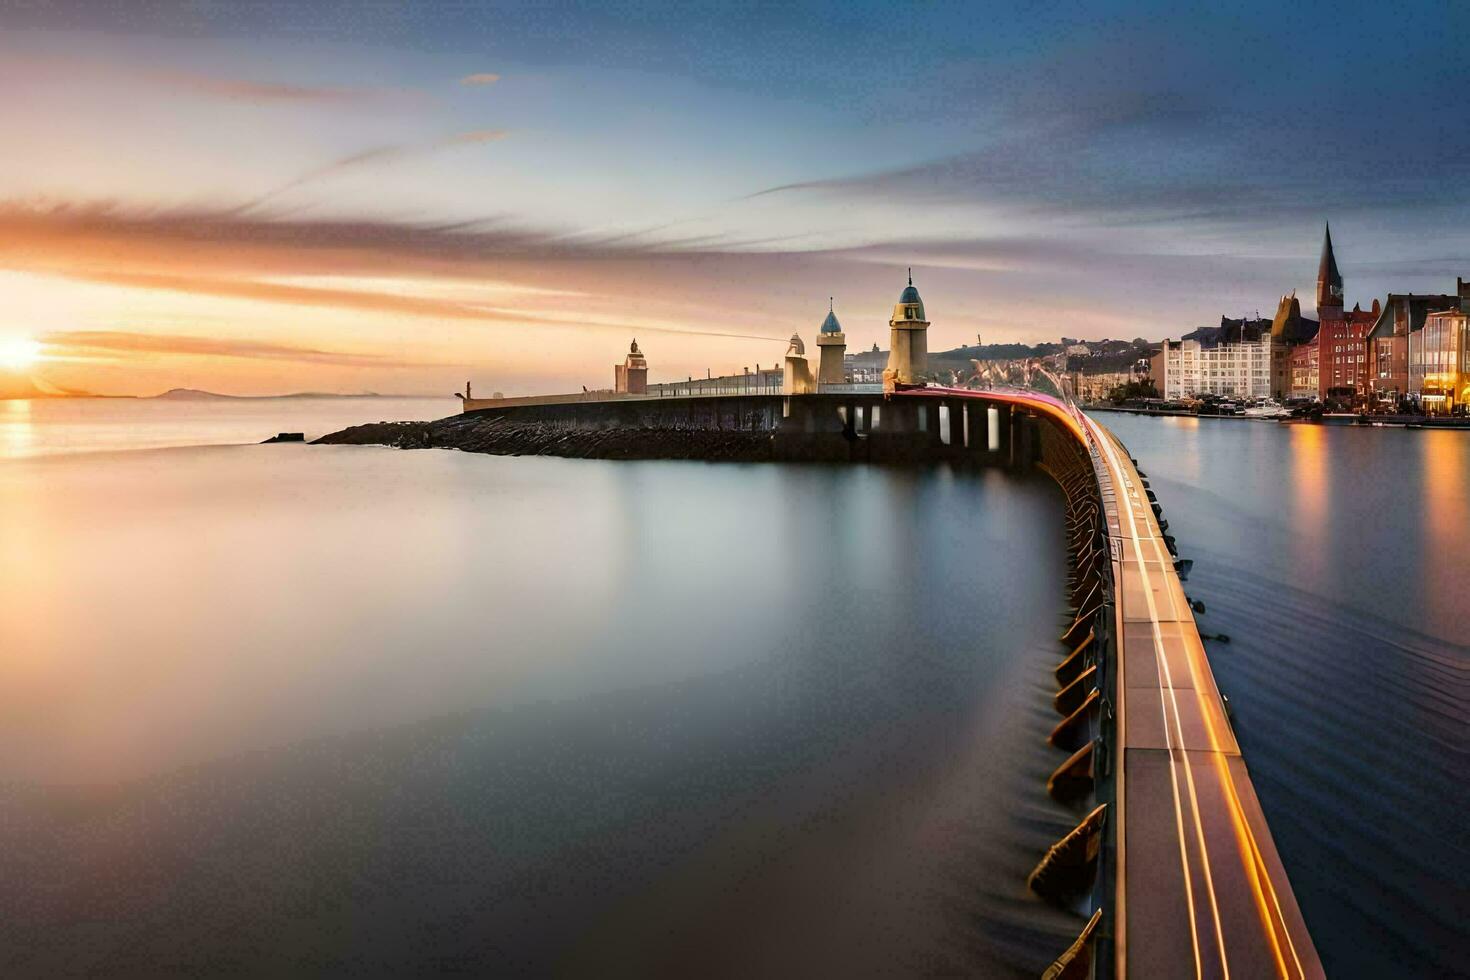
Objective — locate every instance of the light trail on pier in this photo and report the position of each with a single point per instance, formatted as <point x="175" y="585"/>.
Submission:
<point x="1221" y="902"/>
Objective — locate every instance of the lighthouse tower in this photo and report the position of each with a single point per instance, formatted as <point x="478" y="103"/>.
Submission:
<point x="908" y="351"/>
<point x="832" y="345"/>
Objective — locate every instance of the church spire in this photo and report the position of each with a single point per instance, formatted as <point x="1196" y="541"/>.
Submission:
<point x="1329" y="280"/>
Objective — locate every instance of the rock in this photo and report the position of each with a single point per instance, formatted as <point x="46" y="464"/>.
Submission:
<point x="286" y="437"/>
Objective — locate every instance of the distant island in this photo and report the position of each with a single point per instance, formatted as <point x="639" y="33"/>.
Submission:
<point x="194" y="394"/>
<point x="20" y="386"/>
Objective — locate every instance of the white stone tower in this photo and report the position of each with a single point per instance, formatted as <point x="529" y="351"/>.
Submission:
<point x="832" y="350"/>
<point x="908" y="351"/>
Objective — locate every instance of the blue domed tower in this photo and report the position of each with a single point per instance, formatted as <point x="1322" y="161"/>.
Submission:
<point x="832" y="345"/>
<point x="908" y="350"/>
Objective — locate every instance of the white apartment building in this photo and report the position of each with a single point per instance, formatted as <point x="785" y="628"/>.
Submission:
<point x="1185" y="369"/>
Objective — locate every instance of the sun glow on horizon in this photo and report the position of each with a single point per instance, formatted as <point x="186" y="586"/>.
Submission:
<point x="19" y="353"/>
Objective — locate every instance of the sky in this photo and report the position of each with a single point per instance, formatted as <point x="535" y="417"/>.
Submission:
<point x="397" y="197"/>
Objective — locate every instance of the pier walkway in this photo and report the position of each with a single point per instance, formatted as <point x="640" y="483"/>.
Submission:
<point x="1198" y="887"/>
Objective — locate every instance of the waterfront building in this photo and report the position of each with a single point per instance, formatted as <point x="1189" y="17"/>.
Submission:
<point x="1442" y="360"/>
<point x="1341" y="341"/>
<point x="1329" y="357"/>
<point x="831" y="350"/>
<point x="908" y="348"/>
<point x="1304" y="370"/>
<point x="1395" y="335"/>
<point x="631" y="376"/>
<point x="1342" y="353"/>
<point x="1189" y="369"/>
<point x="1289" y="330"/>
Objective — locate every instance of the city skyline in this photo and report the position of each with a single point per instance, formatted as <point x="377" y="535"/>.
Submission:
<point x="337" y="199"/>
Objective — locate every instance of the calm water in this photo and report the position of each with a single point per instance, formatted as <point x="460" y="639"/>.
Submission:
<point x="286" y="708"/>
<point x="283" y="709"/>
<point x="74" y="425"/>
<point x="1337" y="560"/>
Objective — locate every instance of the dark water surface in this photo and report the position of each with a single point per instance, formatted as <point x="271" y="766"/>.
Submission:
<point x="289" y="709"/>
<point x="1337" y="560"/>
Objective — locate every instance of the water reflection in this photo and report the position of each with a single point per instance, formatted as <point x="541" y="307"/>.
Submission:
<point x="1446" y="504"/>
<point x="16" y="435"/>
<point x="331" y="708"/>
<point x="53" y="426"/>
<point x="1311" y="499"/>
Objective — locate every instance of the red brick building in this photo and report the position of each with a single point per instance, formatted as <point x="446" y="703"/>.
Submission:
<point x="1342" y="353"/>
<point x="1341" y="346"/>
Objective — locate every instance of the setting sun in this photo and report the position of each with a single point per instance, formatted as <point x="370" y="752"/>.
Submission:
<point x="19" y="354"/>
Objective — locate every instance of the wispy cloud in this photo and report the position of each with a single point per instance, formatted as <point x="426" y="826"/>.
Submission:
<point x="377" y="155"/>
<point x="1189" y="136"/>
<point x="123" y="342"/>
<point x="252" y="90"/>
<point x="480" y="78"/>
<point x="227" y="254"/>
<point x="633" y="285"/>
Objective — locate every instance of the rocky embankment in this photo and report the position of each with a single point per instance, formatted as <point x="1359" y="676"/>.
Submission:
<point x="511" y="437"/>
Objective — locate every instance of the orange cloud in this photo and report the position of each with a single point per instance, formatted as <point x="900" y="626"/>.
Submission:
<point x="248" y="90"/>
<point x="619" y="284"/>
<point x="480" y="78"/>
<point x="127" y="342"/>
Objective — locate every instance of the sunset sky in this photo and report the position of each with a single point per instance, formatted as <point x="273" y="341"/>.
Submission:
<point x="396" y="197"/>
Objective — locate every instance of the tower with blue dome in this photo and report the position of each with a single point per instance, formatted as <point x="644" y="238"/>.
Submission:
<point x="832" y="345"/>
<point x="908" y="349"/>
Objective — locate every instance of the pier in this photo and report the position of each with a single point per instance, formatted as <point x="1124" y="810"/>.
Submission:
<point x="1174" y="864"/>
<point x="1195" y="883"/>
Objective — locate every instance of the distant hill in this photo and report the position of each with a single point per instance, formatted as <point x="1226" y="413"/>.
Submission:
<point x="1106" y="356"/>
<point x="194" y="394"/>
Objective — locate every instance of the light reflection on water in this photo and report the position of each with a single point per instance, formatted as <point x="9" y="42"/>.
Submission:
<point x="509" y="715"/>
<point x="17" y="435"/>
<point x="54" y="426"/>
<point x="1311" y="512"/>
<point x="1446" y="536"/>
<point x="1336" y="559"/>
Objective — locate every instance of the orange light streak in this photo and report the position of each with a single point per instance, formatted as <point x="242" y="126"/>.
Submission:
<point x="1269" y="908"/>
<point x="1266" y="899"/>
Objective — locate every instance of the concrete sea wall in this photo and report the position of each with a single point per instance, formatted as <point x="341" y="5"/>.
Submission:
<point x="830" y="428"/>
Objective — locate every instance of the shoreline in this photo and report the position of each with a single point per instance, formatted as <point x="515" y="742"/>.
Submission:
<point x="1337" y="419"/>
